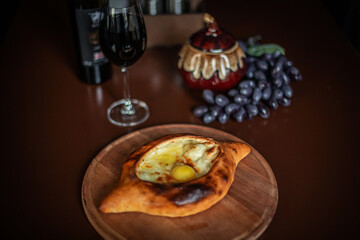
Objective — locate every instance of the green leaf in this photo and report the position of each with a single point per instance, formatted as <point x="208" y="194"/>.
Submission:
<point x="259" y="50"/>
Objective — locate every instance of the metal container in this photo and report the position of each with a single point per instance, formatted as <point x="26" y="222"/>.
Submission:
<point x="176" y="6"/>
<point x="153" y="7"/>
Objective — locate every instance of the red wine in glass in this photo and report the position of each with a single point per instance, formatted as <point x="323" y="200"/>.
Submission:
<point x="123" y="41"/>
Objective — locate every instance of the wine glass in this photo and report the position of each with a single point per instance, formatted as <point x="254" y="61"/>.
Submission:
<point x="123" y="41"/>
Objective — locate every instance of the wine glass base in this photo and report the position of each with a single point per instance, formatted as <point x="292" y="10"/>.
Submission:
<point x="116" y="117"/>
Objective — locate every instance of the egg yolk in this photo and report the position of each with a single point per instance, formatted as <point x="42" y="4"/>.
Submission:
<point x="183" y="173"/>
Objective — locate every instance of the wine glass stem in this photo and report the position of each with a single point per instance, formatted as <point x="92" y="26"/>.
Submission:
<point x="127" y="107"/>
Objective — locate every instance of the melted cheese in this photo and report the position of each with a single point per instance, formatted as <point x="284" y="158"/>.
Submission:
<point x="160" y="163"/>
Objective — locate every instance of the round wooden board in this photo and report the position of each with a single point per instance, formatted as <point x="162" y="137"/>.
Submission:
<point x="244" y="213"/>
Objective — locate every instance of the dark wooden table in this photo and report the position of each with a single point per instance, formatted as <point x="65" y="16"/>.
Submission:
<point x="52" y="125"/>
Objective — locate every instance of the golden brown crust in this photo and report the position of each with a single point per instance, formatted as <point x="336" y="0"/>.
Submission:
<point x="174" y="200"/>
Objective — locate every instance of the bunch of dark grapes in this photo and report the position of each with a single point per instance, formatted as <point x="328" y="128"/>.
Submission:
<point x="265" y="86"/>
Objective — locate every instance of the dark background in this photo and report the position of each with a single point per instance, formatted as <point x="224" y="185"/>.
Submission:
<point x="346" y="14"/>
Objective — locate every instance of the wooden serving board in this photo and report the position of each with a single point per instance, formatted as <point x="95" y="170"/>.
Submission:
<point x="244" y="213"/>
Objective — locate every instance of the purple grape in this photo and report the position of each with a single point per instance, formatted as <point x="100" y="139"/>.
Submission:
<point x="251" y="110"/>
<point x="256" y="95"/>
<point x="284" y="102"/>
<point x="267" y="57"/>
<point x="271" y="63"/>
<point x="231" y="108"/>
<point x="221" y="100"/>
<point x="277" y="54"/>
<point x="259" y="75"/>
<point x="298" y="77"/>
<point x="215" y="110"/>
<point x="199" y="111"/>
<point x="278" y="65"/>
<point x="223" y="118"/>
<point x="277" y="82"/>
<point x="250" y="59"/>
<point x="263" y="111"/>
<point x="262" y="84"/>
<point x="275" y="75"/>
<point x="233" y="92"/>
<point x="272" y="103"/>
<point x="246" y="91"/>
<point x="208" y="118"/>
<point x="277" y="93"/>
<point x="266" y="93"/>
<point x="246" y="84"/>
<point x="250" y="71"/>
<point x="287" y="90"/>
<point x="242" y="45"/>
<point x="285" y="78"/>
<point x="292" y="71"/>
<point x="262" y="65"/>
<point x="208" y="96"/>
<point x="240" y="115"/>
<point x="288" y="63"/>
<point x="241" y="99"/>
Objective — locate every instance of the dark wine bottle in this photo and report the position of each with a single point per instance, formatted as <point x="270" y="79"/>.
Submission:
<point x="94" y="67"/>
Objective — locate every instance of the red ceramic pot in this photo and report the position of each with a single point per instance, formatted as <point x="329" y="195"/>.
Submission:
<point x="211" y="59"/>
